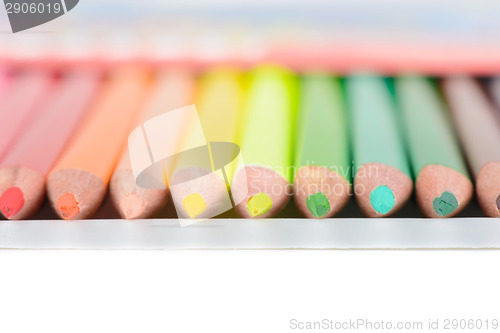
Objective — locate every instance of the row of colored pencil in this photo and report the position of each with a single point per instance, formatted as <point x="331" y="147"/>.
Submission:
<point x="319" y="137"/>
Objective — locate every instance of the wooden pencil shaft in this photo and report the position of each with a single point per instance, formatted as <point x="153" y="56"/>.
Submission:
<point x="269" y="112"/>
<point x="428" y="126"/>
<point x="102" y="136"/>
<point x="219" y="104"/>
<point x="58" y="117"/>
<point x="375" y="134"/>
<point x="20" y="105"/>
<point x="4" y="81"/>
<point x="475" y="119"/>
<point x="171" y="90"/>
<point x="322" y="128"/>
<point x="494" y="89"/>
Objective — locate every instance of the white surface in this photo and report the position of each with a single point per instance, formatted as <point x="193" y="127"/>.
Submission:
<point x="239" y="291"/>
<point x="336" y="233"/>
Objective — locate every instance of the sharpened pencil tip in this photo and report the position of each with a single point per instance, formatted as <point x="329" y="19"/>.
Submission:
<point x="67" y="206"/>
<point x="445" y="204"/>
<point x="131" y="206"/>
<point x="382" y="199"/>
<point x="194" y="204"/>
<point x="318" y="204"/>
<point x="259" y="204"/>
<point x="11" y="201"/>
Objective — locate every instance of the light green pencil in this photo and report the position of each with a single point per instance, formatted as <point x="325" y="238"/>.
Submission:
<point x="382" y="179"/>
<point x="322" y="159"/>
<point x="442" y="182"/>
<point x="266" y="142"/>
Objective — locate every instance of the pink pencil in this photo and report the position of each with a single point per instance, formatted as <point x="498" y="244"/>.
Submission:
<point x="4" y="81"/>
<point x="19" y="105"/>
<point x="25" y="166"/>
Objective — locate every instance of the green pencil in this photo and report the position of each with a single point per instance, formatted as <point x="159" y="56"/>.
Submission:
<point x="382" y="179"/>
<point x="442" y="181"/>
<point x="266" y="142"/>
<point x="321" y="185"/>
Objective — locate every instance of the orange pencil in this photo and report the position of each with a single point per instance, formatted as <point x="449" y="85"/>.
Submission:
<point x="19" y="105"/>
<point x="173" y="89"/>
<point x="77" y="183"/>
<point x="25" y="166"/>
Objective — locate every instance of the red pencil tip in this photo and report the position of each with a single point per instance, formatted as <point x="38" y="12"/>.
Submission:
<point x="67" y="206"/>
<point x="11" y="201"/>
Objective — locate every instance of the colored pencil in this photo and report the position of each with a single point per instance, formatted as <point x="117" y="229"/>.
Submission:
<point x="442" y="182"/>
<point x="382" y="179"/>
<point x="5" y="78"/>
<point x="266" y="142"/>
<point x="478" y="126"/>
<point x="494" y="90"/>
<point x="173" y="89"/>
<point x="219" y="103"/>
<point x="77" y="183"/>
<point x="25" y="166"/>
<point x="322" y="160"/>
<point x="19" y="105"/>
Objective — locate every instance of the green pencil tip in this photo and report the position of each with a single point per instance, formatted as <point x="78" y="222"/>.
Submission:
<point x="259" y="204"/>
<point x="382" y="199"/>
<point x="445" y="204"/>
<point x="318" y="204"/>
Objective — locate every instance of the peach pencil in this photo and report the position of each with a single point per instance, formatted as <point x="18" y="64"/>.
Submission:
<point x="173" y="89"/>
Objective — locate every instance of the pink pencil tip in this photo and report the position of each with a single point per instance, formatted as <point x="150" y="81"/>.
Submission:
<point x="11" y="201"/>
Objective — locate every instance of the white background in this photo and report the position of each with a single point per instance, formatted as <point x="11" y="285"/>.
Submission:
<point x="239" y="291"/>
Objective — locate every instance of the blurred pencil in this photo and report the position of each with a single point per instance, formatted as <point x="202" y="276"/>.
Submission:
<point x="442" y="183"/>
<point x="479" y="129"/>
<point x="5" y="78"/>
<point x="382" y="178"/>
<point x="494" y="89"/>
<point x="266" y="142"/>
<point x="173" y="89"/>
<point x="19" y="104"/>
<point x="25" y="166"/>
<point x="218" y="100"/>
<point x="322" y="179"/>
<point x="77" y="183"/>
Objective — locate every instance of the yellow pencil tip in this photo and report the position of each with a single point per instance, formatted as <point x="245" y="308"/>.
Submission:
<point x="194" y="204"/>
<point x="259" y="204"/>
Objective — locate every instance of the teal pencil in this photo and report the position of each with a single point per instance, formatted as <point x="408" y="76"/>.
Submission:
<point x="382" y="179"/>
